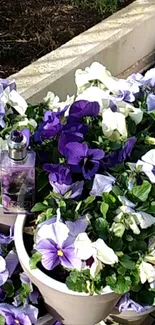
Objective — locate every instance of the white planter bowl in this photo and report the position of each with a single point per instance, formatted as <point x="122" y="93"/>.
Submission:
<point x="72" y="308"/>
<point x="130" y="317"/>
<point x="7" y="219"/>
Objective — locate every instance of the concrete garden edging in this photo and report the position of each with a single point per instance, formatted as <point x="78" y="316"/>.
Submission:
<point x="124" y="42"/>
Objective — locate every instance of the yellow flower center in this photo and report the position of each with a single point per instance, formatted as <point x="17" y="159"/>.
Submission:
<point x="16" y="321"/>
<point x="60" y="253"/>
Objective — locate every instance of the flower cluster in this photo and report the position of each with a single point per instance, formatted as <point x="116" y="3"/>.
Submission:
<point x="18" y="299"/>
<point x="95" y="184"/>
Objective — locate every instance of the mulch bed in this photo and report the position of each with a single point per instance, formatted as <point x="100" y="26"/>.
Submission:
<point x="30" y="29"/>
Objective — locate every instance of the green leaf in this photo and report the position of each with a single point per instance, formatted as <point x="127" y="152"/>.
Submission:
<point x="141" y="192"/>
<point x="117" y="191"/>
<point x="24" y="292"/>
<point x="104" y="209"/>
<point x="77" y="281"/>
<point x="89" y="200"/>
<point x="121" y="286"/>
<point x="39" y="207"/>
<point x="126" y="262"/>
<point x="8" y="288"/>
<point x="101" y="224"/>
<point x="36" y="257"/>
<point x="2" y="320"/>
<point x="118" y="229"/>
<point x="121" y="270"/>
<point x="68" y="194"/>
<point x="109" y="199"/>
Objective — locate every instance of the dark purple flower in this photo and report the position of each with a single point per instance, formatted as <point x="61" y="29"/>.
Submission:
<point x="125" y="303"/>
<point x="61" y="180"/>
<point x="120" y="155"/>
<point x="58" y="174"/>
<point x="18" y="315"/>
<point x="150" y="101"/>
<point x="82" y="108"/>
<point x="49" y="128"/>
<point x="71" y="132"/>
<point x="2" y="295"/>
<point x="82" y="159"/>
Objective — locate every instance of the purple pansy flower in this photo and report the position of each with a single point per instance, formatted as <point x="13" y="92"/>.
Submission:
<point x="4" y="83"/>
<point x="120" y="155"/>
<point x="125" y="303"/>
<point x="82" y="108"/>
<point x="61" y="181"/>
<point x="59" y="173"/>
<point x="102" y="183"/>
<point x="49" y="128"/>
<point x="56" y="246"/>
<point x="5" y="240"/>
<point x="82" y="159"/>
<point x="11" y="262"/>
<point x="18" y="315"/>
<point x="2" y="113"/>
<point x="71" y="132"/>
<point x="150" y="101"/>
<point x="33" y="295"/>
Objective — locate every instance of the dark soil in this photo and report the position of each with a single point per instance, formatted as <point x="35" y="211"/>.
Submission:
<point x="31" y="28"/>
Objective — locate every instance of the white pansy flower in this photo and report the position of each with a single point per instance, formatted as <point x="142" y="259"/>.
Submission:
<point x="54" y="102"/>
<point x="127" y="109"/>
<point x="147" y="164"/>
<point x="147" y="272"/>
<point x="98" y="250"/>
<point x="96" y="71"/>
<point x="15" y="100"/>
<point x="2" y="264"/>
<point x="113" y="125"/>
<point x="95" y="94"/>
<point x="133" y="219"/>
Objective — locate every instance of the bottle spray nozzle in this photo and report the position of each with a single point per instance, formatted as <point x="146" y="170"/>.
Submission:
<point x="17" y="145"/>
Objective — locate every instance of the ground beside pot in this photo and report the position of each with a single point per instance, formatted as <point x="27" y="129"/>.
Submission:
<point x="130" y="317"/>
<point x="31" y="29"/>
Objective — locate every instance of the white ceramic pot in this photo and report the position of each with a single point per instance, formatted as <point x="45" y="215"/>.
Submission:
<point x="130" y="317"/>
<point x="7" y="219"/>
<point x="72" y="308"/>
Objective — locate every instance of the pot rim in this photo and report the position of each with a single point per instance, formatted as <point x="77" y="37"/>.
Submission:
<point x="37" y="273"/>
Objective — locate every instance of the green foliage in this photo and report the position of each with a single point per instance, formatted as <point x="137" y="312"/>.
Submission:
<point x="2" y="320"/>
<point x="35" y="258"/>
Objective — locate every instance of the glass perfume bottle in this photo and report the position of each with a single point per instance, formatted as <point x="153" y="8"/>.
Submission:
<point x="17" y="175"/>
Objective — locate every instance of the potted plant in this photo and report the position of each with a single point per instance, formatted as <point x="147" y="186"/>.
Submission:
<point x="94" y="216"/>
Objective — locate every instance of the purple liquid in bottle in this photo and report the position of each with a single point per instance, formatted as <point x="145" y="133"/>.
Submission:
<point x="18" y="175"/>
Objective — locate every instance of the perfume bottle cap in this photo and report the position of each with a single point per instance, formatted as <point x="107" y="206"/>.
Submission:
<point x="17" y="145"/>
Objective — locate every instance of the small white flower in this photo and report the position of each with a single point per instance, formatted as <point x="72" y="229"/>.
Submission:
<point x="113" y="124"/>
<point x="15" y="100"/>
<point x="98" y="250"/>
<point x="127" y="109"/>
<point x="54" y="102"/>
<point x="96" y="71"/>
<point x="147" y="272"/>
<point x="2" y="264"/>
<point x="147" y="164"/>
